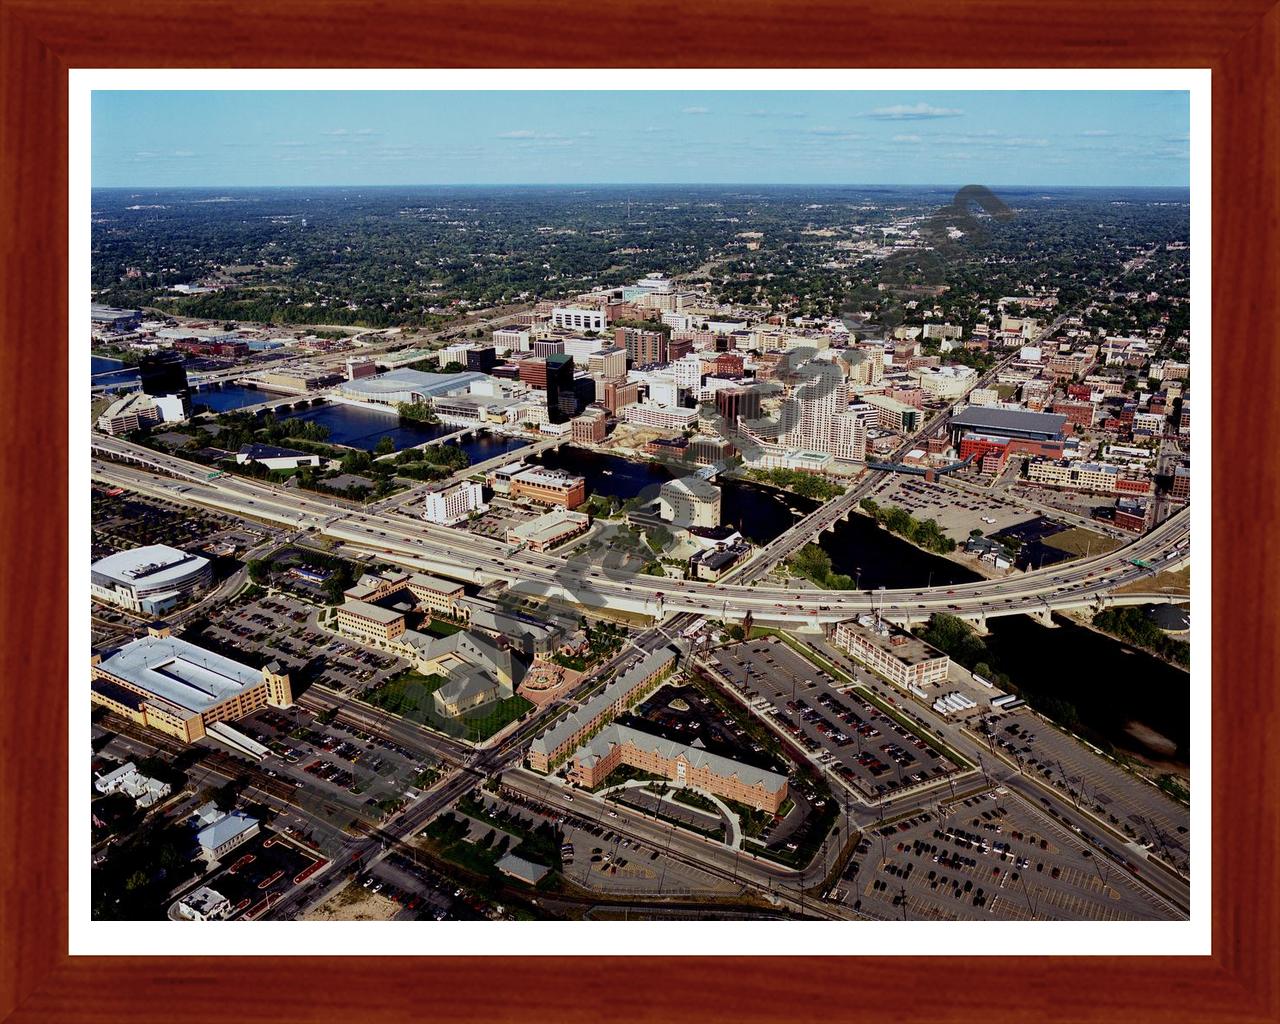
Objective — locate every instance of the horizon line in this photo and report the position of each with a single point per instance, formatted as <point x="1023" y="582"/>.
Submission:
<point x="639" y="184"/>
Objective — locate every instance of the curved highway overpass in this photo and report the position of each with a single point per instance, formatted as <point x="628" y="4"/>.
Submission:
<point x="411" y="542"/>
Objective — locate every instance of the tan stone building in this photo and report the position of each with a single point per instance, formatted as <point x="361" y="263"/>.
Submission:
<point x="180" y="689"/>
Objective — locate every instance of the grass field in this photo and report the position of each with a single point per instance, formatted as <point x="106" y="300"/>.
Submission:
<point x="409" y="695"/>
<point x="1162" y="583"/>
<point x="1080" y="542"/>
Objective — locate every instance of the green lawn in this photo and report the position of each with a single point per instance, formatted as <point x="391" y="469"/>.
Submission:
<point x="409" y="695"/>
<point x="1080" y="542"/>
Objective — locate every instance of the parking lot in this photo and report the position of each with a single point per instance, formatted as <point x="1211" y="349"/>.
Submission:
<point x="957" y="511"/>
<point x="338" y="766"/>
<point x="255" y="876"/>
<point x="500" y="518"/>
<point x="988" y="857"/>
<point x="422" y="893"/>
<point x="842" y="731"/>
<point x="1076" y="502"/>
<point x="281" y="627"/>
<point x="597" y="858"/>
<point x="1128" y="803"/>
<point x="127" y="520"/>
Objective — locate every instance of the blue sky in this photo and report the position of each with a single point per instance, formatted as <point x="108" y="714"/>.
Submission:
<point x="173" y="138"/>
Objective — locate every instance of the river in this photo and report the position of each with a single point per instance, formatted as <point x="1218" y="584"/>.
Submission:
<point x="1116" y="689"/>
<point x="229" y="397"/>
<point x="108" y="371"/>
<point x="759" y="513"/>
<point x="358" y="427"/>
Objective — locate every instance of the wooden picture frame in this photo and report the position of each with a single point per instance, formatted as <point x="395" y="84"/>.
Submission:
<point x="42" y="39"/>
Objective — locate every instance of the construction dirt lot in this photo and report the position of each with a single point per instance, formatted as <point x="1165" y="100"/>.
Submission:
<point x="353" y="904"/>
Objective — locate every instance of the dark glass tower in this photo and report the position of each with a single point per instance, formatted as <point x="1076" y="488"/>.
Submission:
<point x="164" y="373"/>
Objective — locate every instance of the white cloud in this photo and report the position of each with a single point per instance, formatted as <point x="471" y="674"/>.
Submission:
<point x="911" y="112"/>
<point x="907" y="138"/>
<point x="826" y="131"/>
<point x="528" y="133"/>
<point x="1097" y="133"/>
<point x="695" y="110"/>
<point x="1022" y="143"/>
<point x="183" y="153"/>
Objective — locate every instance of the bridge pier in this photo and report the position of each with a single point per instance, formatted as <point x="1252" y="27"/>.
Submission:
<point x="978" y="622"/>
<point x="1045" y="618"/>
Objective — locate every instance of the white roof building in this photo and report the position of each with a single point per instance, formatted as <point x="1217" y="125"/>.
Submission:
<point x="409" y="386"/>
<point x="150" y="579"/>
<point x="203" y="904"/>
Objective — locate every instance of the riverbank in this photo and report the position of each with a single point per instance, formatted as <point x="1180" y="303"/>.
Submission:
<point x="1085" y="620"/>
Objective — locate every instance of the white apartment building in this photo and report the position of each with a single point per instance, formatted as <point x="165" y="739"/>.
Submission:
<point x="947" y="382"/>
<point x="451" y="505"/>
<point x="687" y="371"/>
<point x="660" y="417"/>
<point x="579" y="318"/>
<point x="1080" y="476"/>
<point x="892" y="414"/>
<point x="849" y="437"/>
<point x="941" y="331"/>
<point x="1151" y="422"/>
<point x="453" y="354"/>
<point x="893" y="653"/>
<point x="511" y="339"/>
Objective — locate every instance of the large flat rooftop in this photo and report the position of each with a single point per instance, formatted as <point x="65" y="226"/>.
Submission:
<point x="156" y="565"/>
<point x="546" y="528"/>
<point x="180" y="672"/>
<point x="908" y="649"/>
<point x="420" y="382"/>
<point x="1010" y="422"/>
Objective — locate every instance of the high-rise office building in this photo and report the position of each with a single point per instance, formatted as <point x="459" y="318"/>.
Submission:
<point x="482" y="358"/>
<point x="562" y="402"/>
<point x="732" y="403"/>
<point x="644" y="348"/>
<point x="165" y="373"/>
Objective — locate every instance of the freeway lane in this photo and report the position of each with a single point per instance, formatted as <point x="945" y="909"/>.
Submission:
<point x="464" y="556"/>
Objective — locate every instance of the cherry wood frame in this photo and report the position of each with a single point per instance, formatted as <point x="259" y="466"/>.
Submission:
<point x="40" y="39"/>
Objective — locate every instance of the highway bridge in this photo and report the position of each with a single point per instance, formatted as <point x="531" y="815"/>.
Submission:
<point x="415" y="494"/>
<point x="457" y="435"/>
<point x="288" y="401"/>
<point x="398" y="538"/>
